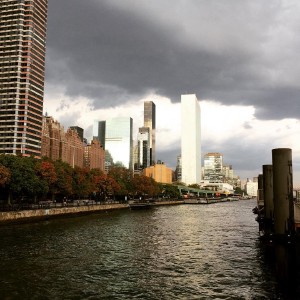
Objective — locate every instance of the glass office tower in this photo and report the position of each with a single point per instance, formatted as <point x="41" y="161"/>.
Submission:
<point x="22" y="65"/>
<point x="119" y="141"/>
<point x="213" y="167"/>
<point x="190" y="140"/>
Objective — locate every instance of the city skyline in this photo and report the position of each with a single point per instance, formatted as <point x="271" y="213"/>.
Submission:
<point x="105" y="59"/>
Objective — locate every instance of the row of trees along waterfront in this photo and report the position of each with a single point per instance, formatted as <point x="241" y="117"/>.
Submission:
<point x="31" y="180"/>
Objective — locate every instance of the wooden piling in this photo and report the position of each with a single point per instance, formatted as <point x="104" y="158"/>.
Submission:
<point x="283" y="191"/>
<point x="268" y="197"/>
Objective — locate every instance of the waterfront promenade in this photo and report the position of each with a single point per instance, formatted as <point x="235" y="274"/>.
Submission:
<point x="47" y="209"/>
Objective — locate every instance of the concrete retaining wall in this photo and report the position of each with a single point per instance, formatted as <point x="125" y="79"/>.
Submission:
<point x="26" y="215"/>
<point x="31" y="215"/>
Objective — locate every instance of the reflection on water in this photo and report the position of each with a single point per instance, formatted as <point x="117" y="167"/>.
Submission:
<point x="283" y="260"/>
<point x="172" y="252"/>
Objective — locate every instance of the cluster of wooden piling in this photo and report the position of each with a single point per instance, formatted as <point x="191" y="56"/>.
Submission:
<point x="276" y="204"/>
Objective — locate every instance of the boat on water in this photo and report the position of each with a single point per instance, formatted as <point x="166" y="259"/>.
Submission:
<point x="139" y="204"/>
<point x="196" y="201"/>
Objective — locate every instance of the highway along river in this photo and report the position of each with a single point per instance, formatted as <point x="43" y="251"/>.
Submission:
<point x="171" y="252"/>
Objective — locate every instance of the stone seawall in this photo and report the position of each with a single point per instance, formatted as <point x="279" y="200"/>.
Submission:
<point x="28" y="215"/>
<point x="40" y="214"/>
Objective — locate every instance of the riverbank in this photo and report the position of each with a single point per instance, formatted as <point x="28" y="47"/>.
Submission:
<point x="47" y="213"/>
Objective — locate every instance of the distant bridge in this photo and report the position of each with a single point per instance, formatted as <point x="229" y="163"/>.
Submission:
<point x="189" y="191"/>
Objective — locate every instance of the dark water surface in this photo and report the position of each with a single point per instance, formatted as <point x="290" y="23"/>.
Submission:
<point x="172" y="252"/>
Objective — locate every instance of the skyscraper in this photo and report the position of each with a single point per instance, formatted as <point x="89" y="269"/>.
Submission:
<point x="22" y="65"/>
<point x="118" y="140"/>
<point x="213" y="167"/>
<point x="99" y="132"/>
<point x="143" y="148"/>
<point x="190" y="140"/>
<point x="149" y="121"/>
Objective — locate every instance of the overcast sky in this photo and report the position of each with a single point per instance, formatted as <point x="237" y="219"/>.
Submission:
<point x="241" y="58"/>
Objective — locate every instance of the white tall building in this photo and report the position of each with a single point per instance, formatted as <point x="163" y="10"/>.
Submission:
<point x="190" y="139"/>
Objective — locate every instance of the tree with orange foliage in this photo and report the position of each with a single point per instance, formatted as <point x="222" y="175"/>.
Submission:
<point x="104" y="185"/>
<point x="82" y="186"/>
<point x="46" y="171"/>
<point x="123" y="177"/>
<point x="145" y="186"/>
<point x="4" y="176"/>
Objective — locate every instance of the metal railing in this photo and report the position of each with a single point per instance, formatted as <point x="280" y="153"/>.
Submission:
<point x="53" y="204"/>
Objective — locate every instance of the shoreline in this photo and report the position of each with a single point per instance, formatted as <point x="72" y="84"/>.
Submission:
<point x="25" y="216"/>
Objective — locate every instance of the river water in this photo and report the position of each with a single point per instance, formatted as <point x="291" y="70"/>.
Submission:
<point x="170" y="252"/>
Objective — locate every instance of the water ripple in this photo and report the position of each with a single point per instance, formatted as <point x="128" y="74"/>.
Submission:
<point x="176" y="252"/>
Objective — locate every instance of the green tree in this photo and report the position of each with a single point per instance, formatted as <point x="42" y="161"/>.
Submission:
<point x="145" y="186"/>
<point x="63" y="186"/>
<point x="239" y="191"/>
<point x="82" y="185"/>
<point x="194" y="185"/>
<point x="24" y="180"/>
<point x="123" y="178"/>
<point x="179" y="183"/>
<point x="170" y="191"/>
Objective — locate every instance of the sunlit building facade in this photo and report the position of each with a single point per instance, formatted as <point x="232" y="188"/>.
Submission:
<point x="150" y="122"/>
<point x="159" y="172"/>
<point x="22" y="65"/>
<point x="72" y="148"/>
<point x="58" y="144"/>
<point x="190" y="139"/>
<point x="52" y="134"/>
<point x="79" y="130"/>
<point x="213" y="167"/>
<point x="119" y="141"/>
<point x="94" y="155"/>
<point x="251" y="188"/>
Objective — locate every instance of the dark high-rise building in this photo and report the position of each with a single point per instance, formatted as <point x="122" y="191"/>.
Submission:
<point x="22" y="65"/>
<point x="79" y="131"/>
<point x="99" y="130"/>
<point x="143" y="148"/>
<point x="149" y="121"/>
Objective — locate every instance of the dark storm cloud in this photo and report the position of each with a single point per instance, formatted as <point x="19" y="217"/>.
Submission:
<point x="112" y="55"/>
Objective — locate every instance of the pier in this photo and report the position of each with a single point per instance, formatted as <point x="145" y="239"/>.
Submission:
<point x="278" y="205"/>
